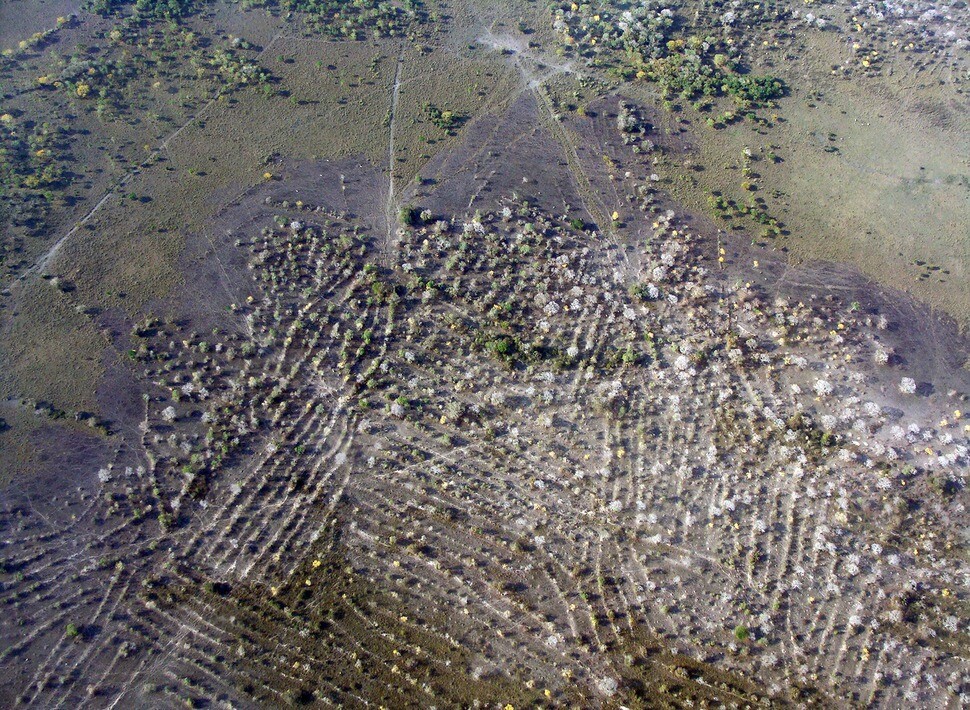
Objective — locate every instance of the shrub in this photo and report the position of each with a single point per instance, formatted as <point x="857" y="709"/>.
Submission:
<point x="502" y="346"/>
<point x="408" y="215"/>
<point x="445" y="120"/>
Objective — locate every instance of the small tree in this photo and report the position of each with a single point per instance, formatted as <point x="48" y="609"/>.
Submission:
<point x="408" y="215"/>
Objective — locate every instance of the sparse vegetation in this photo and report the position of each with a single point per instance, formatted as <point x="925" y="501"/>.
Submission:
<point x="305" y="403"/>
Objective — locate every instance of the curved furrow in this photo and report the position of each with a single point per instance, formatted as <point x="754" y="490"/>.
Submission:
<point x="309" y="502"/>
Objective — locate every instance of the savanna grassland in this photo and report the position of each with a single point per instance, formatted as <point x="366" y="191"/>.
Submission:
<point x="512" y="353"/>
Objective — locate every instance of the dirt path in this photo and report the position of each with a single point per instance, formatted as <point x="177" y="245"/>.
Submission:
<point x="536" y="70"/>
<point x="390" y="206"/>
<point x="41" y="264"/>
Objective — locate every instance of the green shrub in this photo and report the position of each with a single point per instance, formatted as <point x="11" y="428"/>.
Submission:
<point x="408" y="216"/>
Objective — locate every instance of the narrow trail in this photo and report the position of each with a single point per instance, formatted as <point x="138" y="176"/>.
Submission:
<point x="591" y="200"/>
<point x="535" y="80"/>
<point x="389" y="206"/>
<point x="41" y="264"/>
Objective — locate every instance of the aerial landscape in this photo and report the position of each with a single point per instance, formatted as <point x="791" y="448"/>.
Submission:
<point x="484" y="353"/>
